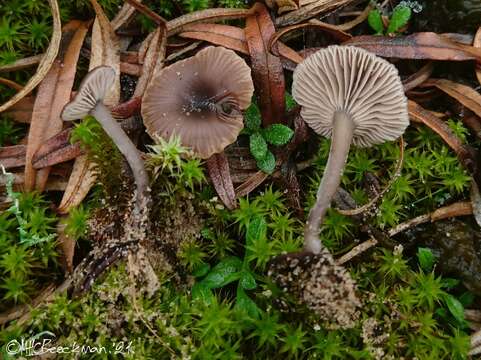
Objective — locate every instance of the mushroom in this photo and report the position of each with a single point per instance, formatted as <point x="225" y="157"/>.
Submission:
<point x="351" y="96"/>
<point x="88" y="101"/>
<point x="200" y="99"/>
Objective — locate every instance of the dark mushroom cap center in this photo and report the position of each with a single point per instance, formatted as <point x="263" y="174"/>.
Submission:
<point x="202" y="100"/>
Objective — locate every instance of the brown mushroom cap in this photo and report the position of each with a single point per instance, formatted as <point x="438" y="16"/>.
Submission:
<point x="92" y="90"/>
<point x="367" y="88"/>
<point x="200" y="99"/>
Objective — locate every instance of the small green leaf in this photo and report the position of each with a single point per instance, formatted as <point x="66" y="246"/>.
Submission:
<point x="455" y="307"/>
<point x="245" y="304"/>
<point x="268" y="164"/>
<point x="375" y="21"/>
<point x="202" y="292"/>
<point x="449" y="283"/>
<point x="290" y="102"/>
<point x="201" y="270"/>
<point x="400" y="17"/>
<point x="247" y="281"/>
<point x="223" y="273"/>
<point x="252" y="118"/>
<point x="256" y="229"/>
<point x="426" y="258"/>
<point x="258" y="146"/>
<point x="278" y="134"/>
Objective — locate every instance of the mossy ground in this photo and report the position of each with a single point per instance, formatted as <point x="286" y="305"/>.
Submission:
<point x="410" y="309"/>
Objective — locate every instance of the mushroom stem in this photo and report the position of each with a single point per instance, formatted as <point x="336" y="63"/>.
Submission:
<point x="125" y="146"/>
<point x="342" y="133"/>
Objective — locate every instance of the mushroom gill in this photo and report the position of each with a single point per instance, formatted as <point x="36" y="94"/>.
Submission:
<point x="351" y="96"/>
<point x="200" y="99"/>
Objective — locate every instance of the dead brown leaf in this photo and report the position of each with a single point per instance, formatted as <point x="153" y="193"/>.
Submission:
<point x="105" y="51"/>
<point x="56" y="150"/>
<point x="53" y="93"/>
<point x="153" y="60"/>
<point x="424" y="45"/>
<point x="309" y="11"/>
<point x="267" y="71"/>
<point x="219" y="173"/>
<point x="176" y="26"/>
<point x="45" y="63"/>
<point x="462" y="93"/>
<point x="477" y="44"/>
<point x="464" y="152"/>
<point x="12" y="156"/>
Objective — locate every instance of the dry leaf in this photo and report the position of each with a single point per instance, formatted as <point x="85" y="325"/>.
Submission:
<point x="22" y="110"/>
<point x="53" y="93"/>
<point x="309" y="11"/>
<point x="153" y="60"/>
<point x="424" y="45"/>
<point x="477" y="44"/>
<point x="267" y="71"/>
<point x="80" y="182"/>
<point x="12" y="156"/>
<point x="462" y="93"/>
<point x="219" y="173"/>
<point x="45" y="63"/>
<point x="464" y="152"/>
<point x="176" y="26"/>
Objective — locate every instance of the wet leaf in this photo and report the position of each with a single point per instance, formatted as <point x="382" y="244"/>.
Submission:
<point x="267" y="164"/>
<point x="245" y="303"/>
<point x="399" y="18"/>
<point x="219" y="173"/>
<point x="201" y="292"/>
<point x="250" y="184"/>
<point x="267" y="69"/>
<point x="426" y="258"/>
<point x="46" y="62"/>
<point x="278" y="134"/>
<point x="425" y="45"/>
<point x="223" y="273"/>
<point x="257" y="146"/>
<point x="54" y="92"/>
<point x="67" y="245"/>
<point x="247" y="281"/>
<point x="256" y="230"/>
<point x="375" y="21"/>
<point x="252" y="118"/>
<point x="455" y="307"/>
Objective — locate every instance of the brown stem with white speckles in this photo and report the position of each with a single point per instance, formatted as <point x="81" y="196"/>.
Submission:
<point x="342" y="133"/>
<point x="126" y="147"/>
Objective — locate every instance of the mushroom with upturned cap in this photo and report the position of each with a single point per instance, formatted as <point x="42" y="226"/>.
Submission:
<point x="88" y="101"/>
<point x="200" y="99"/>
<point x="351" y="96"/>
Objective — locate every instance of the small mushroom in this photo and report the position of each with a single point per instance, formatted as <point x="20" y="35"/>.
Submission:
<point x="200" y="99"/>
<point x="88" y="101"/>
<point x="351" y="96"/>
